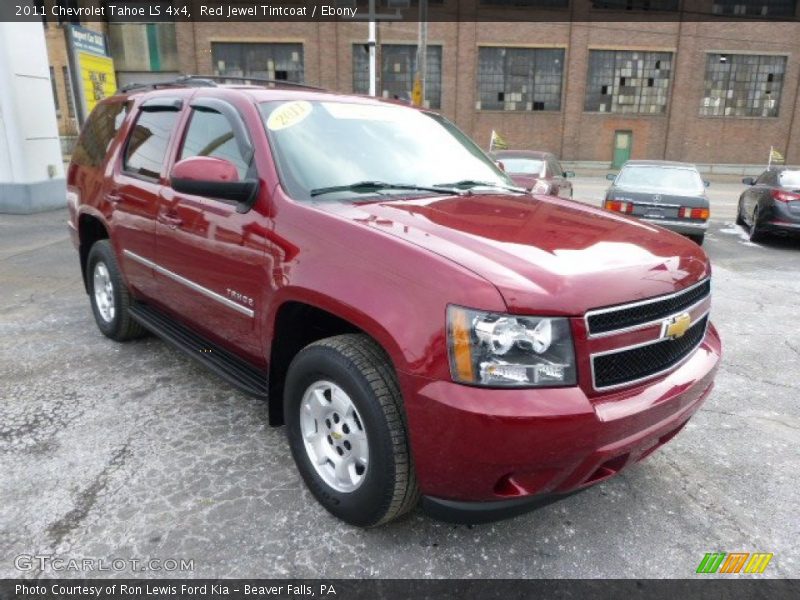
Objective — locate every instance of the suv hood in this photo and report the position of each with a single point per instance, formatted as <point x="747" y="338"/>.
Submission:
<point x="543" y="254"/>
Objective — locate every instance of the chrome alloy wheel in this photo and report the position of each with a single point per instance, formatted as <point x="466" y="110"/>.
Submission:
<point x="103" y="292"/>
<point x="334" y="436"/>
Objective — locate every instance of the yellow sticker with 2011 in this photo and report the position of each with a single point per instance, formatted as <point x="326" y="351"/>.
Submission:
<point x="288" y="115"/>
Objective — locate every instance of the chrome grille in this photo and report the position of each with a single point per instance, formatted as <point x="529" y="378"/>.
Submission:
<point x="605" y="321"/>
<point x="630" y="365"/>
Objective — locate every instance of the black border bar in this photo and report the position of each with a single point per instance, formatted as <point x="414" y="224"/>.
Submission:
<point x="734" y="587"/>
<point x="438" y="10"/>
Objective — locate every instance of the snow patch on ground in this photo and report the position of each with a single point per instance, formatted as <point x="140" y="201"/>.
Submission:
<point x="744" y="236"/>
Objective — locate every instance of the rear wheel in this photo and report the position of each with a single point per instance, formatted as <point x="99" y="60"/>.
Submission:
<point x="698" y="239"/>
<point x="756" y="235"/>
<point x="109" y="296"/>
<point x="739" y="218"/>
<point x="347" y="430"/>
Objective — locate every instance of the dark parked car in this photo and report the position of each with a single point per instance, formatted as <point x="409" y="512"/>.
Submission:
<point x="669" y="194"/>
<point x="771" y="204"/>
<point x="429" y="330"/>
<point x="539" y="172"/>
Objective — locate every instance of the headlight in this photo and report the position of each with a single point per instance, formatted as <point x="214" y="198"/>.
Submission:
<point x="509" y="351"/>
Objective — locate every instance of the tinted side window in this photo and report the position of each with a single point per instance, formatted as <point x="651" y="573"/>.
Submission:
<point x="210" y="134"/>
<point x="147" y="144"/>
<point x="554" y="167"/>
<point x="99" y="131"/>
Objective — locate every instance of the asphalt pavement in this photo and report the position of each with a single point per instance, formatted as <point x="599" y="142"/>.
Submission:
<point x="133" y="452"/>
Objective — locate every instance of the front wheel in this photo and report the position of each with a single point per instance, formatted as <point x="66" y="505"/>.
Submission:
<point x="347" y="430"/>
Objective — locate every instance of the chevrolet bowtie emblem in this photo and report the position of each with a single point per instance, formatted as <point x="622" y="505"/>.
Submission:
<point x="676" y="326"/>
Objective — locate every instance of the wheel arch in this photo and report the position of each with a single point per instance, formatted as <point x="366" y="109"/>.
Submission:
<point x="91" y="229"/>
<point x="296" y="323"/>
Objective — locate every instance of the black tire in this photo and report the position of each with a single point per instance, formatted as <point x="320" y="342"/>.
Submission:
<point x="361" y="368"/>
<point x="756" y="235"/>
<point x="120" y="326"/>
<point x="698" y="239"/>
<point x="739" y="218"/>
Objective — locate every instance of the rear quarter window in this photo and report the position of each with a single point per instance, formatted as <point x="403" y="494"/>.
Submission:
<point x="99" y="131"/>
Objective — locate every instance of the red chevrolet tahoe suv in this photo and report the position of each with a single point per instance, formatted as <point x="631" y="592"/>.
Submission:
<point x="423" y="328"/>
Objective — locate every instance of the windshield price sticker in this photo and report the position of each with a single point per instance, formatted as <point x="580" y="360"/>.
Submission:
<point x="289" y="115"/>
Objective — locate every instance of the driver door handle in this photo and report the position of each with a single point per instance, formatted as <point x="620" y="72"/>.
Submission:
<point x="171" y="220"/>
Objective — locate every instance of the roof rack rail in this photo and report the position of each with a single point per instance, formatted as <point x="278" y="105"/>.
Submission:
<point x="223" y="79"/>
<point x="213" y="81"/>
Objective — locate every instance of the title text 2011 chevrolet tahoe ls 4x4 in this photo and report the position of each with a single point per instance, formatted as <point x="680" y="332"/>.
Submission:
<point x="421" y="326"/>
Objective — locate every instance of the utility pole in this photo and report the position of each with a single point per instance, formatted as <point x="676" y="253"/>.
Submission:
<point x="372" y="17"/>
<point x="371" y="42"/>
<point x="420" y="77"/>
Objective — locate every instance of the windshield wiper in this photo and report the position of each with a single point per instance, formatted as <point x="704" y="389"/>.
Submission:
<point x="471" y="183"/>
<point x="366" y="187"/>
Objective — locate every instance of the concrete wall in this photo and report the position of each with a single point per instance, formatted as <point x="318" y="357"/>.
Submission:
<point x="31" y="168"/>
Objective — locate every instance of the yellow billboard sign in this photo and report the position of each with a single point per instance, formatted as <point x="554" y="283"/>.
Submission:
<point x="91" y="68"/>
<point x="97" y="78"/>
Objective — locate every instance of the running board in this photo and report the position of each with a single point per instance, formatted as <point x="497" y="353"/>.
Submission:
<point x="228" y="366"/>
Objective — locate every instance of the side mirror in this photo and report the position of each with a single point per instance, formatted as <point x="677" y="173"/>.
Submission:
<point x="569" y="174"/>
<point x="748" y="181"/>
<point x="706" y="183"/>
<point x="214" y="178"/>
<point x="611" y="176"/>
<point x="500" y="165"/>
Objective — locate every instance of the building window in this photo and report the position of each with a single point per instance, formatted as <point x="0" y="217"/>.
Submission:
<point x="624" y="81"/>
<point x="143" y="47"/>
<point x="398" y="67"/>
<point x="519" y="79"/>
<point x="758" y="8"/>
<point x="665" y="5"/>
<point x="283" y="62"/>
<point x="55" y="91"/>
<point x="68" y="90"/>
<point x="743" y="85"/>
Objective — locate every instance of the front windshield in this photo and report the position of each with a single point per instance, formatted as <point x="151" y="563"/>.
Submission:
<point x="522" y="166"/>
<point x="790" y="179"/>
<point x="661" y="178"/>
<point x="322" y="145"/>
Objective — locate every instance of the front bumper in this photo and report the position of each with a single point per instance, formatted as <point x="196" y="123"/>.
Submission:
<point x="482" y="445"/>
<point x="682" y="227"/>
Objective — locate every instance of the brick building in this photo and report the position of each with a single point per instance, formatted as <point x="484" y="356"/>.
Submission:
<point x="576" y="82"/>
<point x="63" y="94"/>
